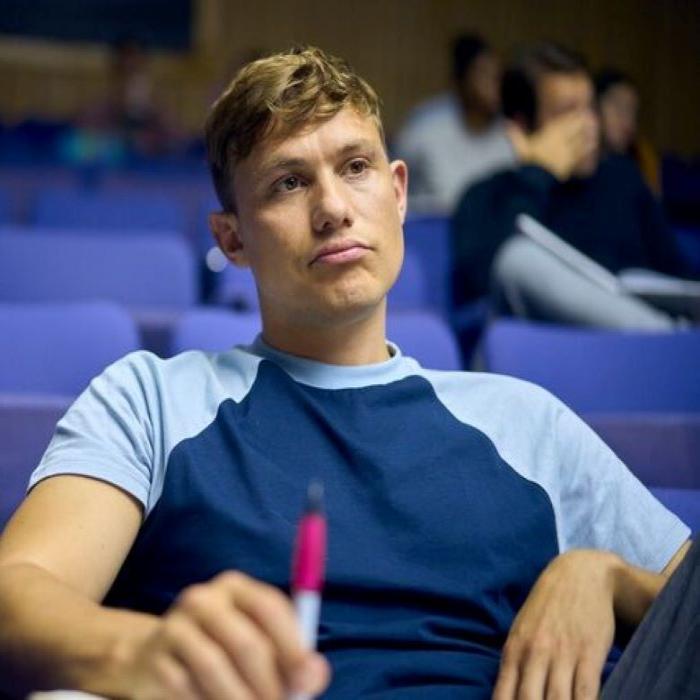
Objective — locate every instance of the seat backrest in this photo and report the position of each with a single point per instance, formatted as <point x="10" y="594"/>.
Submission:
<point x="57" y="348"/>
<point x="214" y="330"/>
<point x="685" y="503"/>
<point x="426" y="337"/>
<point x="410" y="291"/>
<point x="144" y="271"/>
<point x="66" y="207"/>
<point x="428" y="238"/>
<point x="27" y="422"/>
<point x="600" y="370"/>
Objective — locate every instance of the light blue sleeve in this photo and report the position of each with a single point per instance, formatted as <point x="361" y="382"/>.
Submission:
<point x="108" y="433"/>
<point x="603" y="505"/>
<point x="597" y="502"/>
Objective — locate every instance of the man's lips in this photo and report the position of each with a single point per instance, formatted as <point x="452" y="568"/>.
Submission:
<point x="339" y="253"/>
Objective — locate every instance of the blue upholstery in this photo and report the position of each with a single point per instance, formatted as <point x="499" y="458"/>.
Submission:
<point x="214" y="330"/>
<point x="426" y="337"/>
<point x="685" y="503"/>
<point x="428" y="238"/>
<point x="145" y="271"/>
<point x="27" y="422"/>
<point x="57" y="348"/>
<point x="600" y="371"/>
<point x="410" y="291"/>
<point x="107" y="210"/>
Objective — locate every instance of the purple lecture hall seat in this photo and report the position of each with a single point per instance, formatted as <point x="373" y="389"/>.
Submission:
<point x="639" y="391"/>
<point x="214" y="330"/>
<point x="425" y="336"/>
<point x="48" y="354"/>
<point x="109" y="210"/>
<point x="410" y="291"/>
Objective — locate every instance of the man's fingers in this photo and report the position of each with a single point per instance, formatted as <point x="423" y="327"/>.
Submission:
<point x="250" y="651"/>
<point x="209" y="667"/>
<point x="587" y="679"/>
<point x="174" y="681"/>
<point x="508" y="675"/>
<point x="273" y="613"/>
<point x="533" y="674"/>
<point x="560" y="681"/>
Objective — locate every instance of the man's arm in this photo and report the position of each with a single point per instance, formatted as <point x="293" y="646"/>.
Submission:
<point x="232" y="637"/>
<point x="562" y="635"/>
<point x="58" y="556"/>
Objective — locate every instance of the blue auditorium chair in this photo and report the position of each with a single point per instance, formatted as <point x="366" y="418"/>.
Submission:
<point x="685" y="503"/>
<point x="48" y="354"/>
<point x="639" y="391"/>
<point x="56" y="349"/>
<point x="428" y="238"/>
<point x="27" y="422"/>
<point x="600" y="370"/>
<point x="426" y="337"/>
<point x="214" y="330"/>
<point x="142" y="272"/>
<point x="420" y="334"/>
<point x="410" y="291"/>
<point x="110" y="210"/>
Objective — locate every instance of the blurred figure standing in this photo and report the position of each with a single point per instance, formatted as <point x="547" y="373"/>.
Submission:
<point x="458" y="137"/>
<point x="618" y="106"/>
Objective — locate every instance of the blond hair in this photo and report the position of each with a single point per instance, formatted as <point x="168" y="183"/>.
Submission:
<point x="279" y="93"/>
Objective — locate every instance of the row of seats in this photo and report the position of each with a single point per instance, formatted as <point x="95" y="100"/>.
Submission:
<point x="158" y="268"/>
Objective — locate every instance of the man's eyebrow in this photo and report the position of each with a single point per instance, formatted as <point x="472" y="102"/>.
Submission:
<point x="287" y="163"/>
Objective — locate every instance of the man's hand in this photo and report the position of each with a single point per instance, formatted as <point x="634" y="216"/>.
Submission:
<point x="233" y="638"/>
<point x="560" y="146"/>
<point x="561" y="637"/>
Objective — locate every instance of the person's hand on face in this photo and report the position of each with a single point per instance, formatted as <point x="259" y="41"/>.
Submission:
<point x="563" y="146"/>
<point x="560" y="639"/>
<point x="233" y="638"/>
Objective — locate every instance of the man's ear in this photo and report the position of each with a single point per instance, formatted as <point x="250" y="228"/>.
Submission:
<point x="399" y="176"/>
<point x="224" y="226"/>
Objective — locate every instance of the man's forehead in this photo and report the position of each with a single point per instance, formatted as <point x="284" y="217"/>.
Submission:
<point x="347" y="130"/>
<point x="559" y="91"/>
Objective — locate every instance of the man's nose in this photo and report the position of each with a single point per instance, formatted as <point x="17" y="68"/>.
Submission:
<point x="331" y="206"/>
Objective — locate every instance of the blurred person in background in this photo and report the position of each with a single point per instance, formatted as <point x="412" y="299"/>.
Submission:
<point x="618" y="106"/>
<point x="599" y="205"/>
<point x="129" y="121"/>
<point x="458" y="137"/>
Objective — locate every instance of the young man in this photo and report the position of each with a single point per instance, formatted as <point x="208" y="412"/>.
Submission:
<point x="457" y="138"/>
<point x="464" y="511"/>
<point x="601" y="207"/>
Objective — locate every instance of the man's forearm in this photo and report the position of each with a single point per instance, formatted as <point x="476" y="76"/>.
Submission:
<point x="53" y="637"/>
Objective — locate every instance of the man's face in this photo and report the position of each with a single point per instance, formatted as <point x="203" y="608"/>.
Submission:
<point x="481" y="86"/>
<point x="618" y="112"/>
<point x="319" y="220"/>
<point x="565" y="93"/>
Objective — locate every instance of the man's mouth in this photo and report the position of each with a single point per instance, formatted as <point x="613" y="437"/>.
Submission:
<point x="340" y="253"/>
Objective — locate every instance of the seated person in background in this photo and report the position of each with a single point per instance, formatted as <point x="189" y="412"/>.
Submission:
<point x="600" y="206"/>
<point x="466" y="512"/>
<point x="456" y="138"/>
<point x="618" y="107"/>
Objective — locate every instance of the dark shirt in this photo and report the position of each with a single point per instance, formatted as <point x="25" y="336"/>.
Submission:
<point x="611" y="216"/>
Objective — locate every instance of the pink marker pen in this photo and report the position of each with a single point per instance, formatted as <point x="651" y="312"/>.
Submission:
<point x="308" y="568"/>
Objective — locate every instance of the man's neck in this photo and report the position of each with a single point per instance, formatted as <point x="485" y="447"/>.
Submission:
<point x="476" y="120"/>
<point x="356" y="342"/>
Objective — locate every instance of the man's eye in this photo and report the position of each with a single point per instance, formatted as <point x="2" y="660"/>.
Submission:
<point x="289" y="183"/>
<point x="357" y="167"/>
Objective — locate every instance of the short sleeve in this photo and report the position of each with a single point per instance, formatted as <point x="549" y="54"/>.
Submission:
<point x="108" y="432"/>
<point x="604" y="506"/>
